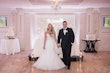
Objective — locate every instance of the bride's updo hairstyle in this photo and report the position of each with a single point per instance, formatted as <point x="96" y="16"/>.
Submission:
<point x="51" y="29"/>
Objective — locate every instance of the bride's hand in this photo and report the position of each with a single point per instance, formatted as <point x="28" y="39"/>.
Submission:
<point x="58" y="45"/>
<point x="43" y="47"/>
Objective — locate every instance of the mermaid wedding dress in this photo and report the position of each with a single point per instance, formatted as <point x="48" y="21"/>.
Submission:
<point x="49" y="60"/>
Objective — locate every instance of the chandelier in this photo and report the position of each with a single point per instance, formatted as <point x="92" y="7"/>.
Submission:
<point x="56" y="4"/>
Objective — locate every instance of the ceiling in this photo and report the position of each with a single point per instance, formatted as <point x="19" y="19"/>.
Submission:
<point x="31" y="4"/>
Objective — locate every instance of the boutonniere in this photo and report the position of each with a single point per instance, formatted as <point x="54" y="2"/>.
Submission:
<point x="65" y="31"/>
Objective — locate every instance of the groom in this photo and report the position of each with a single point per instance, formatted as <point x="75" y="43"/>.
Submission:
<point x="66" y="38"/>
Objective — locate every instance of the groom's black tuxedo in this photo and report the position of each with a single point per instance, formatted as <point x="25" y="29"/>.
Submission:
<point x="66" y="41"/>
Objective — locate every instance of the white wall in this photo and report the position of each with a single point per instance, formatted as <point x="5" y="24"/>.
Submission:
<point x="92" y="22"/>
<point x="86" y="21"/>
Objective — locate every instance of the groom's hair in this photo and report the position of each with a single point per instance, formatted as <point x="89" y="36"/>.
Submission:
<point x="64" y="21"/>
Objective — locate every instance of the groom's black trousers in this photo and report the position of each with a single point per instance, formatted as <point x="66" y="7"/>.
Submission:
<point x="66" y="55"/>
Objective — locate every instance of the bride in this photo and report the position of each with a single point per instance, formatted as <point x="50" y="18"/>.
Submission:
<point x="49" y="60"/>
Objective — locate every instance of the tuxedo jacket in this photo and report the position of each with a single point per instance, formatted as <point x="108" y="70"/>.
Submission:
<point x="66" y="39"/>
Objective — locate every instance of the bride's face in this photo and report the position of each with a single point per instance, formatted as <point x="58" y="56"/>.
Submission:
<point x="49" y="27"/>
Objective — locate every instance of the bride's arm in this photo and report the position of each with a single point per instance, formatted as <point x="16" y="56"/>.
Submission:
<point x="55" y="39"/>
<point x="45" y="37"/>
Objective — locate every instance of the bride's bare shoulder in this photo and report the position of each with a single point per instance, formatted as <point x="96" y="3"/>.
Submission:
<point x="46" y="32"/>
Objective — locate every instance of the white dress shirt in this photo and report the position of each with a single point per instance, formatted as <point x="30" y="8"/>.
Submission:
<point x="65" y="31"/>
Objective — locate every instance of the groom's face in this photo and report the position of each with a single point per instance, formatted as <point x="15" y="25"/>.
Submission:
<point x="64" y="25"/>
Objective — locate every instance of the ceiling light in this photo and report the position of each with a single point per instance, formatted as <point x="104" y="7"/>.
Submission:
<point x="56" y="4"/>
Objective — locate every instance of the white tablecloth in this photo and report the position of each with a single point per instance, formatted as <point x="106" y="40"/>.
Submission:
<point x="9" y="46"/>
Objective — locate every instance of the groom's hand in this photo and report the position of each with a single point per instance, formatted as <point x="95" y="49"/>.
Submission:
<point x="59" y="45"/>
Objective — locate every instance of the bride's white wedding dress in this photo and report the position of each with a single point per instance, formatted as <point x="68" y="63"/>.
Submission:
<point x="49" y="60"/>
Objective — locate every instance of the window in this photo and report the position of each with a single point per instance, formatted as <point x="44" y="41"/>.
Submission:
<point x="3" y="21"/>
